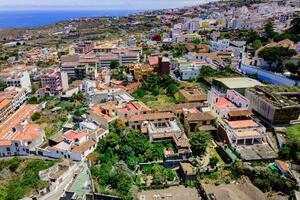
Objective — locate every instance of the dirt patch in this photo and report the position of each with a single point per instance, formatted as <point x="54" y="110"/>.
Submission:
<point x="174" y="193"/>
<point x="242" y="189"/>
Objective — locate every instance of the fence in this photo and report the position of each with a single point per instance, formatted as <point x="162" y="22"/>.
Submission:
<point x="267" y="76"/>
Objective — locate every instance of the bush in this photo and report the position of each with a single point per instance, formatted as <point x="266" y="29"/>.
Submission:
<point x="14" y="164"/>
<point x="36" y="116"/>
<point x="199" y="142"/>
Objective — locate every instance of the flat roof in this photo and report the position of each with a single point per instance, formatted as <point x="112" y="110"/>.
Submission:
<point x="243" y="123"/>
<point x="239" y="82"/>
<point x="250" y="133"/>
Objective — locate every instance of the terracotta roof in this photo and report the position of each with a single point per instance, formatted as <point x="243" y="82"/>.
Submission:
<point x="73" y="135"/>
<point x="5" y="142"/>
<point x="153" y="60"/>
<point x="193" y="95"/>
<point x="28" y="133"/>
<point x="200" y="116"/>
<point x="235" y="113"/>
<point x="243" y="123"/>
<point x="84" y="147"/>
<point x="20" y="115"/>
<point x="141" y="106"/>
<point x="282" y="165"/>
<point x="203" y="48"/>
<point x="4" y="103"/>
<point x="151" y="116"/>
<point x="176" y="107"/>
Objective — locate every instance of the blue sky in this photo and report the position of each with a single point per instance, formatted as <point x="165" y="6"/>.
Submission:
<point x="97" y="4"/>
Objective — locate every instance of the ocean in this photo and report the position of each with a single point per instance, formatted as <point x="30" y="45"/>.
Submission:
<point x="34" y="18"/>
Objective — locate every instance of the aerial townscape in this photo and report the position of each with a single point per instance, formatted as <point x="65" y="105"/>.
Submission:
<point x="198" y="102"/>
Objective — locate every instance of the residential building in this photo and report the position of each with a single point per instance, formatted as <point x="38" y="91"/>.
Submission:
<point x="84" y="48"/>
<point x="17" y="95"/>
<point x="136" y="121"/>
<point x="54" y="81"/>
<point x="80" y="66"/>
<point x="75" y="145"/>
<point x="220" y="45"/>
<point x="141" y="71"/>
<point x="17" y="136"/>
<point x="192" y="96"/>
<point x="237" y="127"/>
<point x="161" y="65"/>
<point x="104" y="113"/>
<point x="194" y="121"/>
<point x="122" y="56"/>
<point x="188" y="70"/>
<point x="19" y="79"/>
<point x="6" y="109"/>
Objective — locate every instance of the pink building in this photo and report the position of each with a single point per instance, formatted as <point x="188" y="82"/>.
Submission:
<point x="54" y="82"/>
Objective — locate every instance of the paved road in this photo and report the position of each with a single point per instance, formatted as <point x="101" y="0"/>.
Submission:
<point x="59" y="191"/>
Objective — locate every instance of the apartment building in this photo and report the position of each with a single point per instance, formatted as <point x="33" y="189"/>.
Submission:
<point x="237" y="127"/>
<point x="10" y="100"/>
<point x="161" y="65"/>
<point x="84" y="47"/>
<point x="122" y="56"/>
<point x="19" y="79"/>
<point x="54" y="81"/>
<point x="17" y="136"/>
<point x="6" y="109"/>
<point x="221" y="45"/>
<point x="80" y="66"/>
<point x="18" y="96"/>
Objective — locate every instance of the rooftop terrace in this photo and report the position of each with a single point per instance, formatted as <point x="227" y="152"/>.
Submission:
<point x="279" y="96"/>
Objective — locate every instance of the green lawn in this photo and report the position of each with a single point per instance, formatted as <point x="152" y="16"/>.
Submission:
<point x="162" y="99"/>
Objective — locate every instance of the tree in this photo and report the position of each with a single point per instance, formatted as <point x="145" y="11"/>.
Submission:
<point x="257" y="44"/>
<point x="213" y="161"/>
<point x="291" y="67"/>
<point x="33" y="100"/>
<point x="122" y="182"/>
<point x="196" y="41"/>
<point x="179" y="50"/>
<point x="295" y="26"/>
<point x="252" y="36"/>
<point x="199" y="142"/>
<point x="269" y="29"/>
<point x="2" y="85"/>
<point x="36" y="116"/>
<point x="114" y="64"/>
<point x="237" y="168"/>
<point x="169" y="174"/>
<point x="172" y="89"/>
<point x="276" y="55"/>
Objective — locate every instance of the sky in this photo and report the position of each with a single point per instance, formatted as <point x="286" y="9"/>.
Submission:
<point x="96" y="4"/>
